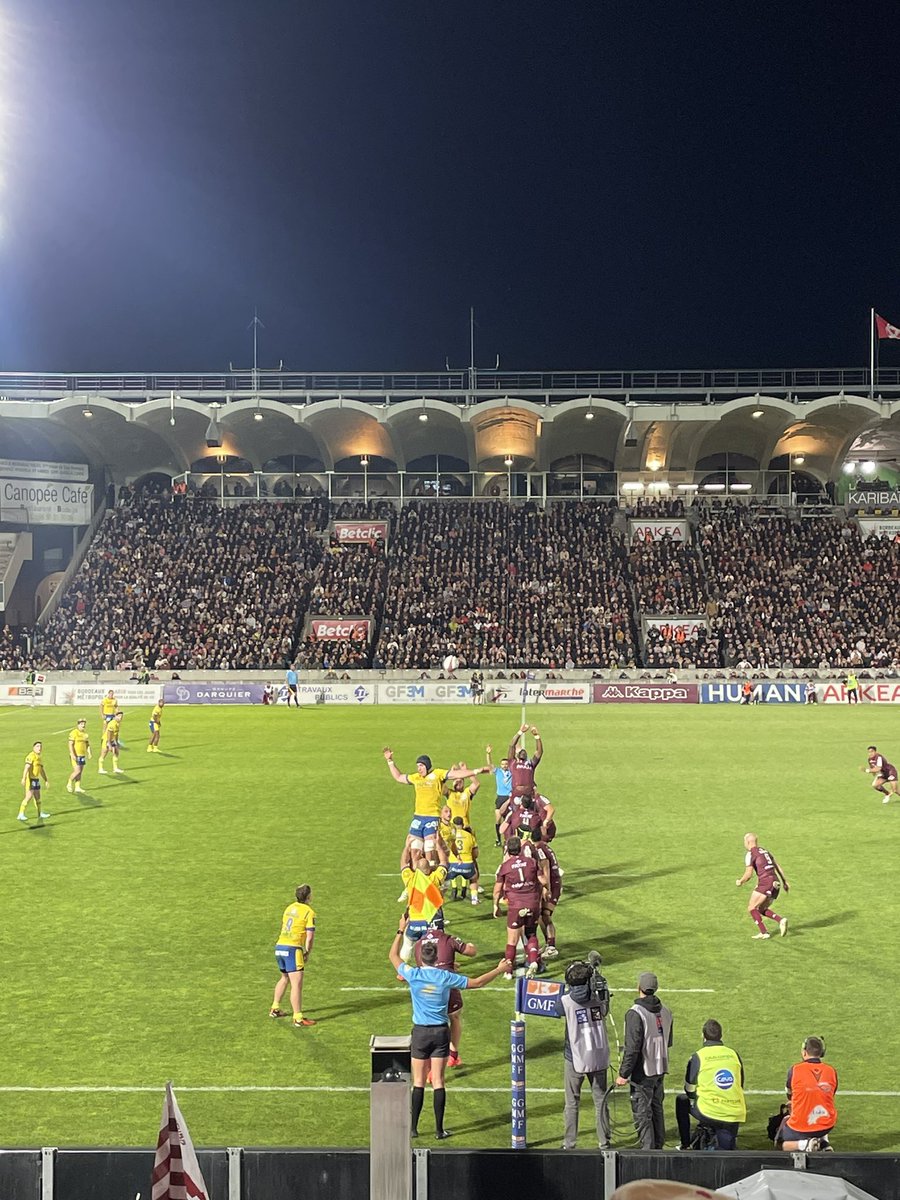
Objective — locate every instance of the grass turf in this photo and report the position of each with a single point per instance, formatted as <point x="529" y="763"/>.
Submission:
<point x="140" y="921"/>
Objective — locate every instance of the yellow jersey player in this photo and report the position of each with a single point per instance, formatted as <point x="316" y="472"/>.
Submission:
<point x="79" y="753"/>
<point x="292" y="951"/>
<point x="155" y="722"/>
<point x="463" y="861"/>
<point x="108" y="706"/>
<point x="111" y="744"/>
<point x="32" y="777"/>
<point x="460" y="800"/>
<point x="428" y="782"/>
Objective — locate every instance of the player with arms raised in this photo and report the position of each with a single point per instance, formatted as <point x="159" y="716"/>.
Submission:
<point x="428" y="782"/>
<point x="769" y="881"/>
<point x="521" y="881"/>
<point x="521" y="767"/>
<point x="885" y="773"/>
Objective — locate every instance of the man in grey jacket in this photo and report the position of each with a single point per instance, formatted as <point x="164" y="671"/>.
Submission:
<point x="648" y="1036"/>
<point x="586" y="1051"/>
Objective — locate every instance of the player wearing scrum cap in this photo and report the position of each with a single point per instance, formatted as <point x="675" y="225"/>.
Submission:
<point x="428" y="782"/>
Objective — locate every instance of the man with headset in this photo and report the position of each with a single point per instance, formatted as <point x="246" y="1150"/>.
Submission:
<point x="584" y="1008"/>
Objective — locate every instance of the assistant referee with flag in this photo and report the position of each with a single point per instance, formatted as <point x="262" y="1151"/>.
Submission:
<point x="430" y="988"/>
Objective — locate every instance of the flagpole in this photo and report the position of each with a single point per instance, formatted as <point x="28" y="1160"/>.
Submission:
<point x="871" y="353"/>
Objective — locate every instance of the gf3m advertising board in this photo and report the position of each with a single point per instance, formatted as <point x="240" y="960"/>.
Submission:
<point x="646" y="693"/>
<point x="424" y="693"/>
<point x="127" y="694"/>
<point x="763" y="693"/>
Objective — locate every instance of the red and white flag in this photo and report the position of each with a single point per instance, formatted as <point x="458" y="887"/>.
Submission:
<point x="176" y="1172"/>
<point x="886" y="329"/>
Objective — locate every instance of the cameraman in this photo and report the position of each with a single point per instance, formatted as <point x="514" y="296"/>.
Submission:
<point x="584" y="1006"/>
<point x="713" y="1091"/>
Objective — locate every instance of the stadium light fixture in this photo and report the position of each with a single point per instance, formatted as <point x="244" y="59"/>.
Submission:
<point x="714" y="487"/>
<point x="688" y="487"/>
<point x="742" y="487"/>
<point x="654" y="464"/>
<point x="756" y="414"/>
<point x="364" y="460"/>
<point x="508" y="462"/>
<point x="589" y="415"/>
<point x="423" y="415"/>
<point x="632" y="485"/>
<point x="868" y="467"/>
<point x="849" y="468"/>
<point x="213" y="435"/>
<point x="87" y="412"/>
<point x="799" y="459"/>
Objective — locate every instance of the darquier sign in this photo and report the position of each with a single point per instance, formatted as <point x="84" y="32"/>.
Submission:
<point x="361" y="531"/>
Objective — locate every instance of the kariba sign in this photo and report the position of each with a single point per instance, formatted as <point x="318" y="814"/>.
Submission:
<point x="340" y="629"/>
<point x="356" y="532"/>
<point x="655" y="531"/>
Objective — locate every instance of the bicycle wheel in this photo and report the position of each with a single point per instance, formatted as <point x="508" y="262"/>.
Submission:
<point x="617" y="1109"/>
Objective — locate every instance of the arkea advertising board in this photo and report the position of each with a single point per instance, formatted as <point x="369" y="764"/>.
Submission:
<point x="541" y="693"/>
<point x="888" y="527"/>
<point x="537" y="997"/>
<point x="340" y="629"/>
<point x="213" y="693"/>
<point x="45" y="503"/>
<point x="127" y="694"/>
<point x="359" y="532"/>
<point x="655" y="531"/>
<point x="26" y="693"/>
<point x="15" y="468"/>
<point x="645" y="693"/>
<point x="870" y="692"/>
<point x="336" y="693"/>
<point x="424" y="693"/>
<point x="775" y="692"/>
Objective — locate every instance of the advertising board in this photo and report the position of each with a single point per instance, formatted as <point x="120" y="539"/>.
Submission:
<point x="774" y="692"/>
<point x="655" y="531"/>
<point x="127" y="694"/>
<point x="26" y="693"/>
<point x="213" y="693"/>
<point x="552" y="692"/>
<point x="44" y="503"/>
<point x="356" y="532"/>
<point x="882" y="691"/>
<point x="888" y="527"/>
<point x="645" y="693"/>
<point x="537" y="997"/>
<point x="424" y="693"/>
<point x="340" y="629"/>
<point x="336" y="693"/>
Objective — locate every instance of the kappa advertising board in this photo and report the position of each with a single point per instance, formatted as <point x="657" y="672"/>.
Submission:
<point x="880" y="527"/>
<point x="26" y="693"/>
<point x="336" y="693"/>
<point x="45" y="503"/>
<point x="536" y="693"/>
<point x="765" y="693"/>
<point x="424" y="693"/>
<point x="340" y="629"/>
<point x="213" y="693"/>
<point x="870" y="692"/>
<point x="646" y="693"/>
<point x="655" y="531"/>
<point x="356" y="532"/>
<point x="127" y="694"/>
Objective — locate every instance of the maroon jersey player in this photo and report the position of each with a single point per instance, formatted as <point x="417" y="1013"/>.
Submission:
<point x="521" y="767"/>
<point x="885" y="774"/>
<point x="519" y="882"/>
<point x="447" y="948"/>
<point x="769" y="881"/>
<point x="545" y="854"/>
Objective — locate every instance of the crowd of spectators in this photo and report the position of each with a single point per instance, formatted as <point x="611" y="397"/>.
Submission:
<point x="496" y="584"/>
<point x="667" y="576"/>
<point x="802" y="593"/>
<point x="14" y="649"/>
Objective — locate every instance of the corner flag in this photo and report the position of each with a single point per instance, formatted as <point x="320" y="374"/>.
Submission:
<point x="176" y="1172"/>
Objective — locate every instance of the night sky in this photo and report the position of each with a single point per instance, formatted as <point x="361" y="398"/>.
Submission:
<point x="610" y="184"/>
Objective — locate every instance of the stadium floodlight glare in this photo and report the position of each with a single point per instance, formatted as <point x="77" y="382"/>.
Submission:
<point x="868" y="467"/>
<point x="87" y="412"/>
<point x="589" y="416"/>
<point x="632" y="485"/>
<point x="654" y="464"/>
<point x="364" y="460"/>
<point x="742" y="487"/>
<point x="508" y="462"/>
<point x="714" y="487"/>
<point x="849" y="467"/>
<point x="756" y="414"/>
<point x="799" y="459"/>
<point x="688" y="487"/>
<point x="257" y="416"/>
<point x="423" y="416"/>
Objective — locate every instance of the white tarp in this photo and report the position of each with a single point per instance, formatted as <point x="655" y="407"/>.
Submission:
<point x="793" y="1185"/>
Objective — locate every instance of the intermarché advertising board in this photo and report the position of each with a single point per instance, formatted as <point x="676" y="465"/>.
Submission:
<point x="645" y="693"/>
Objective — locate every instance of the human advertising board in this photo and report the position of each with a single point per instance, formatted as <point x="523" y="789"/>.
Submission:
<point x="549" y="693"/>
<point x="774" y="692"/>
<point x="537" y="997"/>
<point x="213" y="693"/>
<point x="127" y="694"/>
<point x="15" y="468"/>
<point x="882" y="691"/>
<point x="424" y="693"/>
<point x="340" y="629"/>
<point x="336" y="693"/>
<point x="359" y="532"/>
<point x="888" y="527"/>
<point x="645" y="693"/>
<point x="655" y="531"/>
<point x="26" y="693"/>
<point x="45" y="503"/>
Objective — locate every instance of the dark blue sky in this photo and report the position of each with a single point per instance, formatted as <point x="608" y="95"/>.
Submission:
<point x="610" y="184"/>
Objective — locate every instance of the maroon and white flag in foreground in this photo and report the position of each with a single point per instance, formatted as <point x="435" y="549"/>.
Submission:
<point x="176" y="1172"/>
<point x="886" y="329"/>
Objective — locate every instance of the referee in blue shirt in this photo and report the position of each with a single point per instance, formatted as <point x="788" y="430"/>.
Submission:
<point x="430" y="988"/>
<point x="292" y="680"/>
<point x="503" y="783"/>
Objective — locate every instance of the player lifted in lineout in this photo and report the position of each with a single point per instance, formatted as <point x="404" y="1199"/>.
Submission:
<point x="769" y="881"/>
<point x="428" y="782"/>
<point x="885" y="774"/>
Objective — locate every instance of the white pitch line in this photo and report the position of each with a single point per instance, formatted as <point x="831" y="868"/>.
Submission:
<point x="226" y="1088"/>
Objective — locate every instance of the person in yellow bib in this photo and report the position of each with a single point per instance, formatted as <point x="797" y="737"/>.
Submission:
<point x="111" y="744"/>
<point x="32" y="778"/>
<point x="155" y="722"/>
<point x="713" y="1091"/>
<point x="79" y="753"/>
<point x="292" y="954"/>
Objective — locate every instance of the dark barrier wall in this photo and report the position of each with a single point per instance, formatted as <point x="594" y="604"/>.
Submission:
<point x="110" y="1174"/>
<point x="486" y="1174"/>
<point x="706" y="1169"/>
<point x="20" y="1175"/>
<point x="312" y="1175"/>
